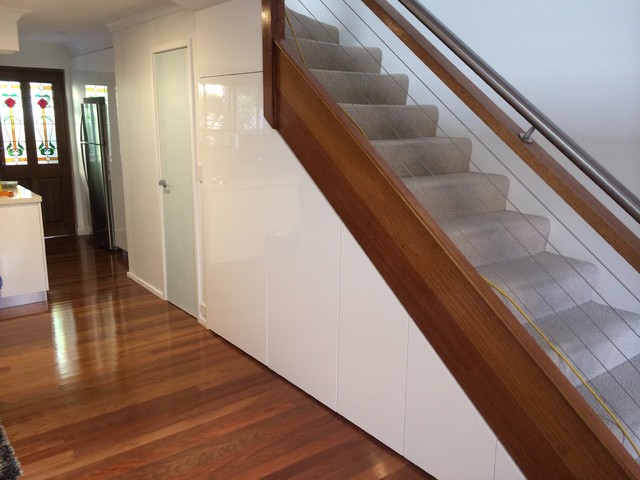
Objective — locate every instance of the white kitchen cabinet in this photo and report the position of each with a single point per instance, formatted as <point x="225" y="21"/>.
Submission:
<point x="23" y="266"/>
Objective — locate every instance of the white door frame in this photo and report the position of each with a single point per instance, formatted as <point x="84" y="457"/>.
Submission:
<point x="194" y="171"/>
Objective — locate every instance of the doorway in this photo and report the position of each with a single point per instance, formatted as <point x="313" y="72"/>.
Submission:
<point x="173" y="102"/>
<point x="34" y="141"/>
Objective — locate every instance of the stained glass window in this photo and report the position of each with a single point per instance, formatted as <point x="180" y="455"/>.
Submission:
<point x="101" y="91"/>
<point x="12" y="122"/>
<point x="44" y="122"/>
<point x="97" y="91"/>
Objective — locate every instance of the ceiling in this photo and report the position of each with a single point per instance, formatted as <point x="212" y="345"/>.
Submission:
<point x="80" y="25"/>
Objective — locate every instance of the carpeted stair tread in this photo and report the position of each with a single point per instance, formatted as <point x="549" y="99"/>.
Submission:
<point x="367" y="88"/>
<point x="310" y="28"/>
<point x="620" y="389"/>
<point x="380" y="122"/>
<point x="545" y="283"/>
<point x="332" y="56"/>
<point x="596" y="337"/>
<point x="459" y="194"/>
<point x="496" y="236"/>
<point x="412" y="157"/>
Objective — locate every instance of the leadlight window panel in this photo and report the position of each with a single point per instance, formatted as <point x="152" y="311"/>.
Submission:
<point x="43" y="110"/>
<point x="101" y="91"/>
<point x="97" y="91"/>
<point x="12" y="124"/>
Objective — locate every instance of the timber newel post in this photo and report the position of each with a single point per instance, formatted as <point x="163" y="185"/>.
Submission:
<point x="272" y="31"/>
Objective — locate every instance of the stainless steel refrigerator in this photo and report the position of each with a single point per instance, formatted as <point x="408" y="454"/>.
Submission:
<point x="94" y="139"/>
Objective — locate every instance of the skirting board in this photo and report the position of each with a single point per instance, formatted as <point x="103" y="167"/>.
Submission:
<point x="141" y="282"/>
<point x="16" y="300"/>
<point x="83" y="230"/>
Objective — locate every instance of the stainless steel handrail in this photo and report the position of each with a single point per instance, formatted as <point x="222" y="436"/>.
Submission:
<point x="580" y="158"/>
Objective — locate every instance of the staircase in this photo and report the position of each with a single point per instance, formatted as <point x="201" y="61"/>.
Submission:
<point x="508" y="248"/>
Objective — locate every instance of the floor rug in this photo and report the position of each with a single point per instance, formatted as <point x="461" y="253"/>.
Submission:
<point x="9" y="465"/>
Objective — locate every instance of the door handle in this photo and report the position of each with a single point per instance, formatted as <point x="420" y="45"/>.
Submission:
<point x="164" y="185"/>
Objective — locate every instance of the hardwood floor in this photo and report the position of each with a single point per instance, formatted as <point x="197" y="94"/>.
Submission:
<point x="109" y="381"/>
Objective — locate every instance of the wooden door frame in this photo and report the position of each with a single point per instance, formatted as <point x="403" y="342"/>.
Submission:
<point x="58" y="79"/>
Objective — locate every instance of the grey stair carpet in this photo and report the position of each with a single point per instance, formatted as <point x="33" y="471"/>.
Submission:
<point x="620" y="387"/>
<point x="545" y="283"/>
<point x="393" y="122"/>
<point x="594" y="339"/>
<point x="457" y="194"/>
<point x="415" y="157"/>
<point x="357" y="87"/>
<point x="332" y="56"/>
<point x="496" y="236"/>
<point x="509" y="248"/>
<point x="310" y="28"/>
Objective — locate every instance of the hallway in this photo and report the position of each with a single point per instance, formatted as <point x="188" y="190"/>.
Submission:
<point x="109" y="381"/>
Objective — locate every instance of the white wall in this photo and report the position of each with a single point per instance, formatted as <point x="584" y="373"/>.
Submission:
<point x="577" y="61"/>
<point x="38" y="55"/>
<point x="133" y="49"/>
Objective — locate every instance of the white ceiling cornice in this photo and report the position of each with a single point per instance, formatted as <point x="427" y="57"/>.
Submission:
<point x="138" y="18"/>
<point x="9" y="42"/>
<point x="198" y="4"/>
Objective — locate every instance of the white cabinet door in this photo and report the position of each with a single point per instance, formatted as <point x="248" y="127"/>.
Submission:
<point x="22" y="258"/>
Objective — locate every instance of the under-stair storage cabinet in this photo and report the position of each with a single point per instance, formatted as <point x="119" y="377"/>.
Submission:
<point x="23" y="266"/>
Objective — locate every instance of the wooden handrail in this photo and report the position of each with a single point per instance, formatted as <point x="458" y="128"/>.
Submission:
<point x="540" y="418"/>
<point x="616" y="233"/>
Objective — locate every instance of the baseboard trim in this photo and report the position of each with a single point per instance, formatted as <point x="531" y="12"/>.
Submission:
<point x="15" y="300"/>
<point x="144" y="284"/>
<point x="83" y="230"/>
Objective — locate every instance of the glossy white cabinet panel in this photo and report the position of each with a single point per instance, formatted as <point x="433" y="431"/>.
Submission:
<point x="372" y="350"/>
<point x="444" y="433"/>
<point x="23" y="266"/>
<point x="506" y="469"/>
<point x="233" y="140"/>
<point x="229" y="38"/>
<point x="302" y="273"/>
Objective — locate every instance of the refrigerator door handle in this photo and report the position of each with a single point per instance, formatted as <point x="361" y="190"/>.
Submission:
<point x="83" y="142"/>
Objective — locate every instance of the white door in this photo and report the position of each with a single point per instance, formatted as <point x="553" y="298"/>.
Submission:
<point x="173" y="99"/>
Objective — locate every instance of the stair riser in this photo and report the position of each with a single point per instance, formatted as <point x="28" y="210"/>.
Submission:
<point x="414" y="158"/>
<point x="621" y="390"/>
<point x="331" y="56"/>
<point x="309" y="28"/>
<point x="380" y="122"/>
<point x="456" y="200"/>
<point x="596" y="337"/>
<point x="542" y="290"/>
<point x="485" y="248"/>
<point x="362" y="88"/>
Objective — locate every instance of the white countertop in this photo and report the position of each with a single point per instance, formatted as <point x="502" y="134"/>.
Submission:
<point x="22" y="195"/>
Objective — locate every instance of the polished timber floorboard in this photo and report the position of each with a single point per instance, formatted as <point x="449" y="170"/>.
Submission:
<point x="108" y="381"/>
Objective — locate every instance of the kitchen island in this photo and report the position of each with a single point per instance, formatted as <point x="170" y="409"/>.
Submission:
<point x="23" y="265"/>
